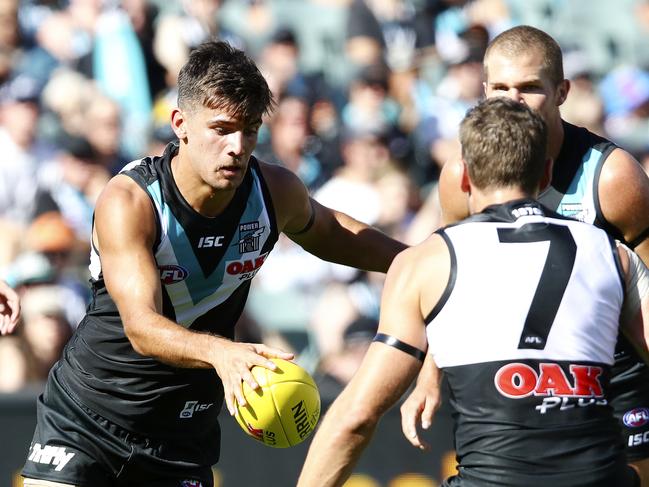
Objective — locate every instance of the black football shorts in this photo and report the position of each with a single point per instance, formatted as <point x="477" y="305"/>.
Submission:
<point x="74" y="445"/>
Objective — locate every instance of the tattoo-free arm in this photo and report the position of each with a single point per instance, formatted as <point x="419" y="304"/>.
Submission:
<point x="386" y="372"/>
<point x="332" y="236"/>
<point x="124" y="235"/>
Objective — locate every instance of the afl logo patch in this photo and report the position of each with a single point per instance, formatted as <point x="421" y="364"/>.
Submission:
<point x="170" y="274"/>
<point x="636" y="417"/>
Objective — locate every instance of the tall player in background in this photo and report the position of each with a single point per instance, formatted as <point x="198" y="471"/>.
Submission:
<point x="520" y="307"/>
<point x="176" y="240"/>
<point x="592" y="180"/>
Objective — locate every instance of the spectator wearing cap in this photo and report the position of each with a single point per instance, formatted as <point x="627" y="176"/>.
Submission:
<point x="279" y="63"/>
<point x="71" y="182"/>
<point x="337" y="367"/>
<point x="290" y="143"/>
<point x="369" y="107"/>
<point x="45" y="327"/>
<point x="21" y="151"/>
<point x="53" y="258"/>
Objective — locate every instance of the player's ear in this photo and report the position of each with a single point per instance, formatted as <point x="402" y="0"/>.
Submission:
<point x="465" y="182"/>
<point x="178" y="123"/>
<point x="546" y="179"/>
<point x="562" y="91"/>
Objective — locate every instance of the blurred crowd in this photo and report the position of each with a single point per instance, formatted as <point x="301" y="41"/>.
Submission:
<point x="369" y="97"/>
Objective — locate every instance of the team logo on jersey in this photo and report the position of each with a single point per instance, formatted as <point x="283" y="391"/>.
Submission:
<point x="172" y="273"/>
<point x="636" y="417"/>
<point x="249" y="235"/>
<point x="521" y="380"/>
<point x="191" y="483"/>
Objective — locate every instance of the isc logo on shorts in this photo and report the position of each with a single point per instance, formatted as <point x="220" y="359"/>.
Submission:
<point x="636" y="417"/>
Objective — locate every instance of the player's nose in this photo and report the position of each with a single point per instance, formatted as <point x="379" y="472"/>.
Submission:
<point x="236" y="142"/>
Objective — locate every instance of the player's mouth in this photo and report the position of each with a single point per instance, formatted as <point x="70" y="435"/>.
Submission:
<point x="230" y="171"/>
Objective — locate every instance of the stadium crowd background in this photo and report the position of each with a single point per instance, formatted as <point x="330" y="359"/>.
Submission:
<point x="369" y="97"/>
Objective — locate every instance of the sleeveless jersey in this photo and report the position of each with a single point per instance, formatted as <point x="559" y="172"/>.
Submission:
<point x="574" y="193"/>
<point x="205" y="265"/>
<point x="525" y="333"/>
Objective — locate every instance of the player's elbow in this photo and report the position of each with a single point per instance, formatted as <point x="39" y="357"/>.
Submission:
<point x="136" y="334"/>
<point x="359" y="420"/>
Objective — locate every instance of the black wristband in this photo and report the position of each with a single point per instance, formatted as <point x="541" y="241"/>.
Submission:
<point x="399" y="345"/>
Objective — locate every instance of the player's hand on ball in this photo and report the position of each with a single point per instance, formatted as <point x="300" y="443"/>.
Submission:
<point x="284" y="410"/>
<point x="233" y="362"/>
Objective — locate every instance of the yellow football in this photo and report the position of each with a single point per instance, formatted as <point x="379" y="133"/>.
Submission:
<point x="284" y="410"/>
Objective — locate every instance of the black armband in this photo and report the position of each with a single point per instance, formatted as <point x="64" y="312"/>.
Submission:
<point x="639" y="239"/>
<point x="399" y="345"/>
<point x="309" y="224"/>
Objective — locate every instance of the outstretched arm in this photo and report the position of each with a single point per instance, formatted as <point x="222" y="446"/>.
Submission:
<point x="328" y="234"/>
<point x="124" y="235"/>
<point x="386" y="371"/>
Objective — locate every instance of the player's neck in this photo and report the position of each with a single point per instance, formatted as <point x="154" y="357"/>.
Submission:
<point x="480" y="199"/>
<point x="555" y="139"/>
<point x="203" y="199"/>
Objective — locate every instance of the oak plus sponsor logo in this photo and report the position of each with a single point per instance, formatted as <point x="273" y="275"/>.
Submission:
<point x="582" y="388"/>
<point x="170" y="274"/>
<point x="245" y="268"/>
<point x="54" y="455"/>
<point x="249" y="237"/>
<point x="192" y="407"/>
<point x="636" y="417"/>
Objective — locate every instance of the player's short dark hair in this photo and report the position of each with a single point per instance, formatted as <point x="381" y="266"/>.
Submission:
<point x="504" y="145"/>
<point x="524" y="38"/>
<point x="220" y="76"/>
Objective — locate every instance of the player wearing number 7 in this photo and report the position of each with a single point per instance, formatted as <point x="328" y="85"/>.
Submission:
<point x="519" y="307"/>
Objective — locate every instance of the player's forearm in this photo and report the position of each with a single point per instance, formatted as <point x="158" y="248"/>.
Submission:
<point x="153" y="335"/>
<point x="355" y="244"/>
<point x="335" y="450"/>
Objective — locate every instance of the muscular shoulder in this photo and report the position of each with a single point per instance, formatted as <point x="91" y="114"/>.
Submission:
<point x="289" y="195"/>
<point x="424" y="269"/>
<point x="624" y="194"/>
<point x="124" y="207"/>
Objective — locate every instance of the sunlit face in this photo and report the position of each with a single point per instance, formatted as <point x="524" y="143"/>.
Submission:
<point x="216" y="144"/>
<point x="522" y="78"/>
